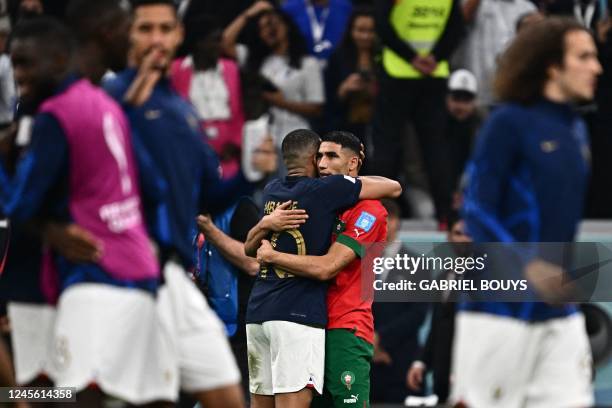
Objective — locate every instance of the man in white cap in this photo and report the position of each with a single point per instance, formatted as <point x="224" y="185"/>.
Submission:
<point x="463" y="120"/>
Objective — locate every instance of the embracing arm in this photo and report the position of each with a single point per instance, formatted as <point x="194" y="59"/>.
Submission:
<point x="255" y="236"/>
<point x="280" y="219"/>
<point x="230" y="248"/>
<point x="322" y="267"/>
<point x="376" y="187"/>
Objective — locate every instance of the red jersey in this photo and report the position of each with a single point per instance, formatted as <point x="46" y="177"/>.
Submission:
<point x="365" y="223"/>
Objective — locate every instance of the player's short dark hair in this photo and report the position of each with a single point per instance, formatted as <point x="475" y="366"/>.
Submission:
<point x="523" y="67"/>
<point x="392" y="207"/>
<point x="85" y="17"/>
<point x="47" y="31"/>
<point x="346" y="140"/>
<point x="141" y="3"/>
<point x="300" y="144"/>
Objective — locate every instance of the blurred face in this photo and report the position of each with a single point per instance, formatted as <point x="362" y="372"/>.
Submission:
<point x="333" y="159"/>
<point x="363" y="32"/>
<point x="272" y="29"/>
<point x="36" y="73"/>
<point x="460" y="108"/>
<point x="457" y="234"/>
<point x="155" y="29"/>
<point x="31" y="7"/>
<point x="577" y="78"/>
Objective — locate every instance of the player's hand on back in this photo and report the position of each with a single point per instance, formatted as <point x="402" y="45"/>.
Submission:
<point x="284" y="218"/>
<point x="414" y="378"/>
<point x="265" y="252"/>
<point x="73" y="242"/>
<point x="205" y="223"/>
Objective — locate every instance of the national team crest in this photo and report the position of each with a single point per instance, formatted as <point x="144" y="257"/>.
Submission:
<point x="340" y="226"/>
<point x="347" y="378"/>
<point x="365" y="221"/>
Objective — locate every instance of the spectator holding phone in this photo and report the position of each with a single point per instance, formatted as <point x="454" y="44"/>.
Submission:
<point x="350" y="79"/>
<point x="278" y="52"/>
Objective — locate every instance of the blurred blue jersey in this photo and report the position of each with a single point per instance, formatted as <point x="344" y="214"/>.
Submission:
<point x="169" y="142"/>
<point x="527" y="182"/>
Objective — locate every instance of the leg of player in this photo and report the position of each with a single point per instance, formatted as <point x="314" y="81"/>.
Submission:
<point x="6" y="368"/>
<point x="347" y="369"/>
<point x="225" y="397"/>
<point x="300" y="399"/>
<point x="262" y="401"/>
<point x="207" y="368"/>
<point x="6" y="372"/>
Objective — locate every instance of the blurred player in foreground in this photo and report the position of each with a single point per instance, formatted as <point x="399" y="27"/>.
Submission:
<point x="526" y="183"/>
<point x="106" y="316"/>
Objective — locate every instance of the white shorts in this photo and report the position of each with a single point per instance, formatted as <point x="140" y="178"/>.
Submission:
<point x="201" y="349"/>
<point x="285" y="357"/>
<point x="110" y="336"/>
<point x="505" y="362"/>
<point x="32" y="326"/>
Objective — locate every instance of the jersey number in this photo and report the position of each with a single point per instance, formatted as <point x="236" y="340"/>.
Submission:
<point x="301" y="250"/>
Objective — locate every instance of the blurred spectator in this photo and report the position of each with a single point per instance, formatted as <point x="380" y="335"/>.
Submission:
<point x="350" y="79"/>
<point x="419" y="36"/>
<point x="396" y="325"/>
<point x="7" y="83"/>
<point x="463" y="120"/>
<point x="586" y="12"/>
<point x="321" y="22"/>
<point x="279" y="54"/>
<point x="435" y="356"/>
<point x="491" y="26"/>
<point x="225" y="11"/>
<point x="212" y="85"/>
<point x="528" y="19"/>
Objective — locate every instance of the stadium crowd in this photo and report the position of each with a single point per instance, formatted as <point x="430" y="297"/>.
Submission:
<point x="193" y="111"/>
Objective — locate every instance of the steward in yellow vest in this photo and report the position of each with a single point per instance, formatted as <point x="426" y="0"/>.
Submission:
<point x="418" y="36"/>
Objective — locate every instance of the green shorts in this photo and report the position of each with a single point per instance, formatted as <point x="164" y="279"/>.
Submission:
<point x="347" y="371"/>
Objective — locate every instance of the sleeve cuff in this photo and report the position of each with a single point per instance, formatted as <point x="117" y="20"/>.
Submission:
<point x="351" y="243"/>
<point x="418" y="364"/>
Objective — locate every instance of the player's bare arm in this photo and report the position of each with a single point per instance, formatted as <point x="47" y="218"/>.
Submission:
<point x="324" y="267"/>
<point x="377" y="187"/>
<point x="230" y="248"/>
<point x="282" y="218"/>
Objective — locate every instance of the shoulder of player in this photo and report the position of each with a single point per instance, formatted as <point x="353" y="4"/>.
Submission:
<point x="508" y="113"/>
<point x="334" y="179"/>
<point x="271" y="184"/>
<point x="373" y="207"/>
<point x="118" y="85"/>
